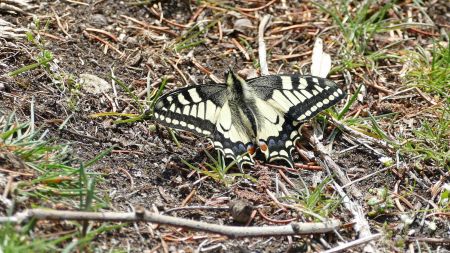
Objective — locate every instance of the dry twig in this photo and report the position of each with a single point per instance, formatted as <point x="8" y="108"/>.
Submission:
<point x="354" y="243"/>
<point x="354" y="133"/>
<point x="241" y="48"/>
<point x="106" y="43"/>
<point x="257" y="8"/>
<point x="140" y="214"/>
<point x="163" y="29"/>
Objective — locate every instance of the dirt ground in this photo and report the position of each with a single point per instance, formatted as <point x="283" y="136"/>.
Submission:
<point x="136" y="43"/>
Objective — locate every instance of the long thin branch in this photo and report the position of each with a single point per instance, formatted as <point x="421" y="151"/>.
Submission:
<point x="361" y="223"/>
<point x="294" y="228"/>
<point x="340" y="175"/>
<point x="262" y="45"/>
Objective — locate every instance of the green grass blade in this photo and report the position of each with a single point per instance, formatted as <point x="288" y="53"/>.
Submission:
<point x="377" y="128"/>
<point x="129" y="93"/>
<point x="30" y="67"/>
<point x="174" y="137"/>
<point x="99" y="156"/>
<point x="158" y="94"/>
<point x="350" y="103"/>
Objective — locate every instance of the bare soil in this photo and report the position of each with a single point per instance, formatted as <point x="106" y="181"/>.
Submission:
<point x="145" y="168"/>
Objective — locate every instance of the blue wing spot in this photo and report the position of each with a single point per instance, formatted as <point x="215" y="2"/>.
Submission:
<point x="242" y="148"/>
<point x="281" y="143"/>
<point x="272" y="143"/>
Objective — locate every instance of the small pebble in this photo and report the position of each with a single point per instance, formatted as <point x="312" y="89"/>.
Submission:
<point x="98" y="20"/>
<point x="241" y="210"/>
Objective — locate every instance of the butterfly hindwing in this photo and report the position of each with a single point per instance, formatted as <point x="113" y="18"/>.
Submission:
<point x="276" y="133"/>
<point x="230" y="137"/>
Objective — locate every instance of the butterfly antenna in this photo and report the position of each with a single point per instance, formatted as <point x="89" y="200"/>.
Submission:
<point x="235" y="62"/>
<point x="211" y="52"/>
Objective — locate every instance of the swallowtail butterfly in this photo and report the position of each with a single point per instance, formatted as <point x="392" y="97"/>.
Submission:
<point x="243" y="115"/>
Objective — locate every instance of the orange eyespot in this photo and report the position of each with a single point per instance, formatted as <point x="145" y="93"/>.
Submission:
<point x="251" y="149"/>
<point x="263" y="146"/>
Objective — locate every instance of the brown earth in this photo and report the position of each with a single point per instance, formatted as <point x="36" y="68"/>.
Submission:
<point x="145" y="168"/>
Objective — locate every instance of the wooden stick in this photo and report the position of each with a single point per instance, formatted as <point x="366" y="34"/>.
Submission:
<point x="429" y="240"/>
<point x="141" y="214"/>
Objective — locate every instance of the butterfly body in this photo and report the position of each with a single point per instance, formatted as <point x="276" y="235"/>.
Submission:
<point x="243" y="115"/>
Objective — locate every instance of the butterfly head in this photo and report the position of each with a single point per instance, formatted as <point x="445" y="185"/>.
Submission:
<point x="232" y="79"/>
<point x="236" y="84"/>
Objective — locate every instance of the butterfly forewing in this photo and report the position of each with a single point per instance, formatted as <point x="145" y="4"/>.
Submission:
<point x="300" y="97"/>
<point x="194" y="108"/>
<point x="205" y="111"/>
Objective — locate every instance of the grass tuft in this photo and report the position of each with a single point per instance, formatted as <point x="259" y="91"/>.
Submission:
<point x="317" y="203"/>
<point x="217" y="169"/>
<point x="44" y="175"/>
<point x="359" y="22"/>
<point x="191" y="38"/>
<point x="430" y="143"/>
<point x="430" y="71"/>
